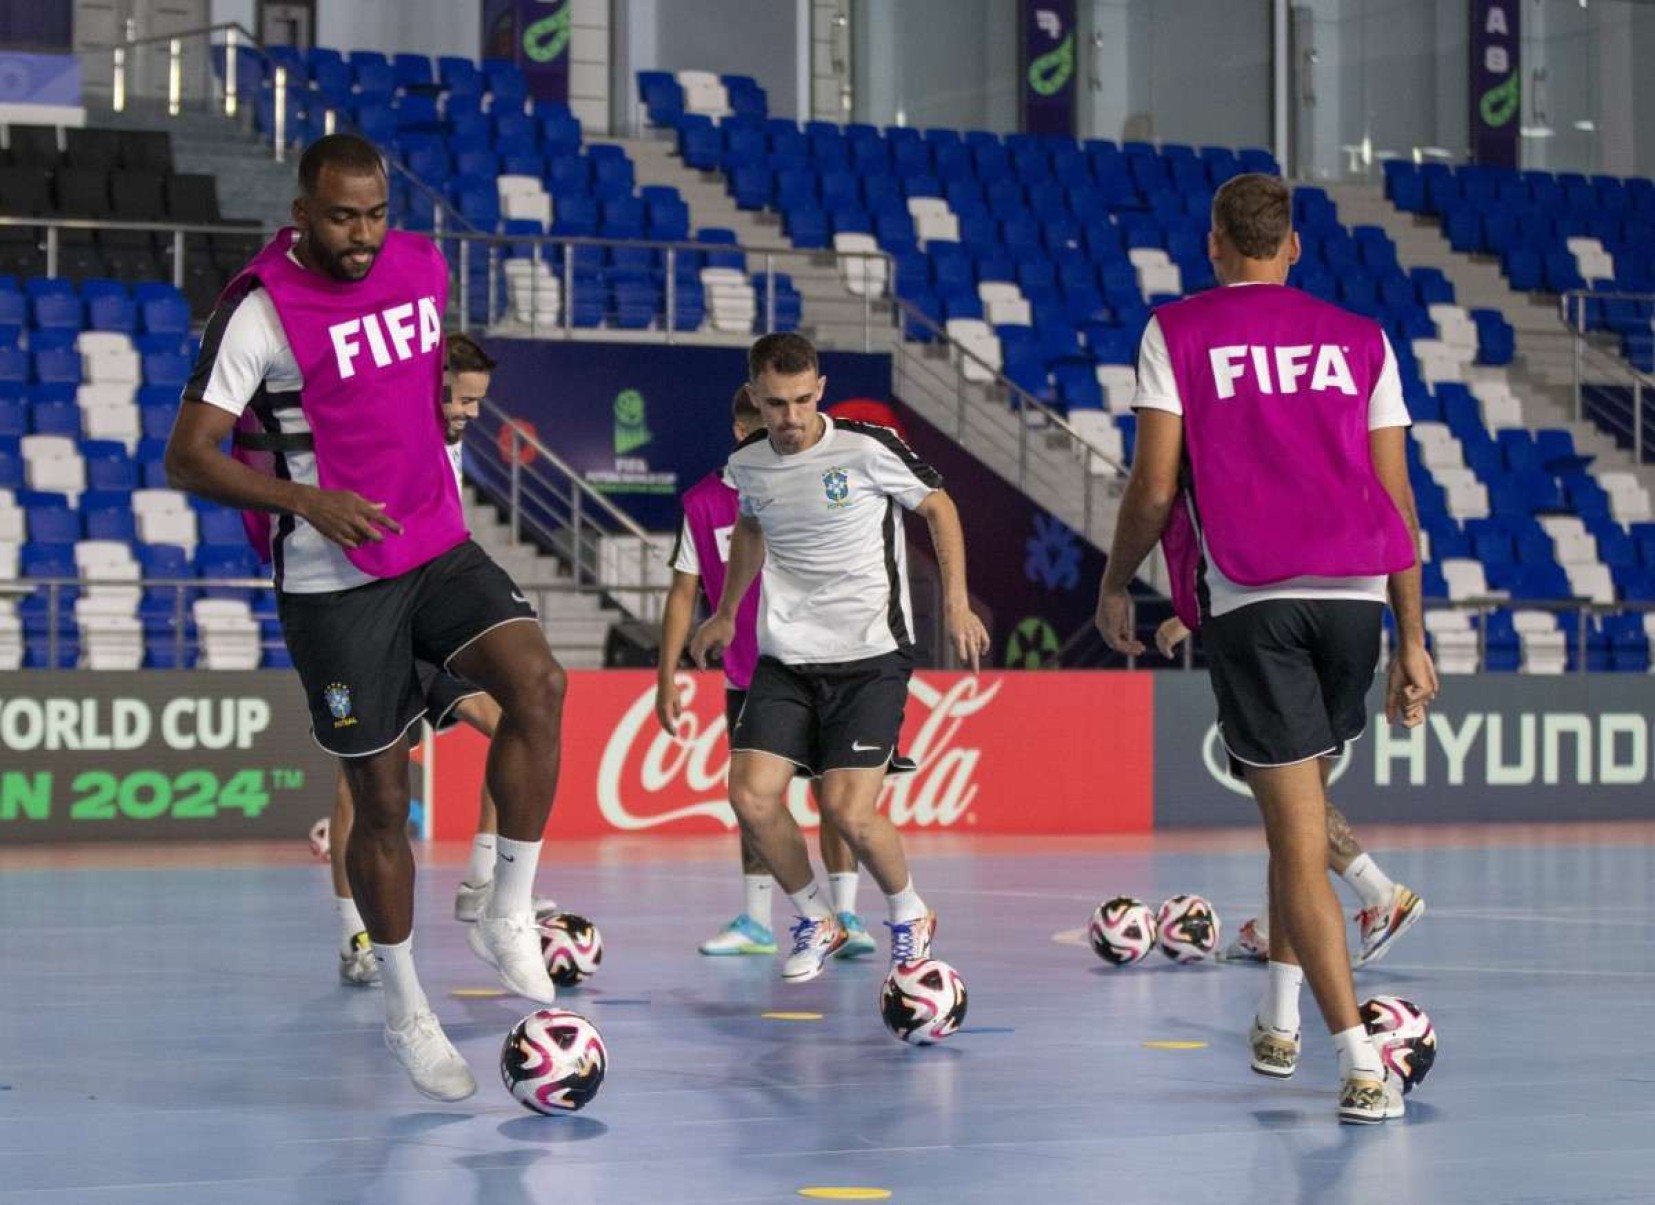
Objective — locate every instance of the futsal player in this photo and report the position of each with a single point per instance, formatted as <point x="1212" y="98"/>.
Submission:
<point x="819" y="515"/>
<point x="323" y="358"/>
<point x="1388" y="908"/>
<point x="467" y="370"/>
<point x="1287" y="414"/>
<point x="698" y="563"/>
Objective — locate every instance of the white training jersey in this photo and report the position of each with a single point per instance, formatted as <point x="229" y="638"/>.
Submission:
<point x="1157" y="390"/>
<point x="835" y="580"/>
<point x="455" y="450"/>
<point x="246" y="361"/>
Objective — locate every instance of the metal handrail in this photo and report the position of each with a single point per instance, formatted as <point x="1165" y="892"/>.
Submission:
<point x="549" y="249"/>
<point x="1049" y="419"/>
<point x="186" y="34"/>
<point x="1572" y="311"/>
<point x="567" y="515"/>
<point x="178" y="230"/>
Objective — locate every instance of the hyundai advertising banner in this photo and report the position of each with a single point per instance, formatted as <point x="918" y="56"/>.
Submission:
<point x="90" y="756"/>
<point x="644" y="423"/>
<point x="1495" y="748"/>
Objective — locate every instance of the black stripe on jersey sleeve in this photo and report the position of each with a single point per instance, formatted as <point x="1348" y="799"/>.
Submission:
<point x="747" y="442"/>
<point x="893" y="442"/>
<point x="212" y="338"/>
<point x="891" y="530"/>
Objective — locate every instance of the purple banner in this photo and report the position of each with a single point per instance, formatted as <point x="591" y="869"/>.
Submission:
<point x="499" y="32"/>
<point x="543" y="30"/>
<point x="1047" y="61"/>
<point x="1496" y="92"/>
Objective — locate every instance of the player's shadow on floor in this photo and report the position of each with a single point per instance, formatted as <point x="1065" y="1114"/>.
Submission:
<point x="552" y="1131"/>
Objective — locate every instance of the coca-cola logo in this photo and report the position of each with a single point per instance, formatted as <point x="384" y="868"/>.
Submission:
<point x="648" y="779"/>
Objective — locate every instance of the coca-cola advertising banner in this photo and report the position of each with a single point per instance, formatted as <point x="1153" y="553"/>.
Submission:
<point x="1496" y="747"/>
<point x="997" y="753"/>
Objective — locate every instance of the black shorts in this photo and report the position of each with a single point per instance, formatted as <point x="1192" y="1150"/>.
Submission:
<point x="735" y="700"/>
<point x="356" y="650"/>
<point x="1292" y="677"/>
<point x="845" y="716"/>
<point x="443" y="693"/>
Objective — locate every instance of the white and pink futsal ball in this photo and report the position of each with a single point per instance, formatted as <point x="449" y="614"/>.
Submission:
<point x="554" y="1061"/>
<point x="1186" y="928"/>
<point x="1122" y="931"/>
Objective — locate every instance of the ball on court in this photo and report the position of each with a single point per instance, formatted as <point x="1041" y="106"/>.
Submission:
<point x="553" y="1061"/>
<point x="1186" y="928"/>
<point x="1404" y="1035"/>
<point x="571" y="946"/>
<point x="922" y="1002"/>
<point x="1122" y="931"/>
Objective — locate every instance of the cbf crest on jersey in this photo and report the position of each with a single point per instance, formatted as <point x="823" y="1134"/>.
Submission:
<point x="338" y="698"/>
<point x="836" y="484"/>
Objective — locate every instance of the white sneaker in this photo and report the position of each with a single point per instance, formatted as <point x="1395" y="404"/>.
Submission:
<point x="357" y="966"/>
<point x="511" y="945"/>
<point x="1275" y="1051"/>
<point x="814" y="940"/>
<point x="430" y="1058"/>
<point x="472" y="898"/>
<point x="1366" y="1101"/>
<point x="1381" y="926"/>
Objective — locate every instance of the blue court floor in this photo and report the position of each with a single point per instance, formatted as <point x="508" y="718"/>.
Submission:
<point x="172" y="1031"/>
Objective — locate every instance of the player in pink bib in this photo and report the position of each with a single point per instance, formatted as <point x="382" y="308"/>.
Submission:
<point x="324" y="359"/>
<point x="1277" y="421"/>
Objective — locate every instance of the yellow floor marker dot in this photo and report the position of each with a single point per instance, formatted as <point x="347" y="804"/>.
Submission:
<point x="478" y="993"/>
<point x="791" y="1016"/>
<point x="846" y="1194"/>
<point x="1175" y="1045"/>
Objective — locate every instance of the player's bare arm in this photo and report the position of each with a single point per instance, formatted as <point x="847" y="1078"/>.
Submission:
<point x="1411" y="683"/>
<point x="1151" y="492"/>
<point x="746" y="560"/>
<point x="196" y="463"/>
<point x="966" y="633"/>
<point x="676" y="618"/>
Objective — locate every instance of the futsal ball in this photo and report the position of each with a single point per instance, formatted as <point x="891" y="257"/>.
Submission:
<point x="922" y="1002"/>
<point x="553" y="1061"/>
<point x="571" y="946"/>
<point x="1122" y="931"/>
<point x="1406" y="1039"/>
<point x="1186" y="928"/>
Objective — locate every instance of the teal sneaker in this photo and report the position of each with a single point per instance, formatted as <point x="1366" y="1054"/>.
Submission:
<point x="857" y="940"/>
<point x="744" y="935"/>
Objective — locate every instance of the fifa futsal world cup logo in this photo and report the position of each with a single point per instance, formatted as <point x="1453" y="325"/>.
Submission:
<point x="647" y="779"/>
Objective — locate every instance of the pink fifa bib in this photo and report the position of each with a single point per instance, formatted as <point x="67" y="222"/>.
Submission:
<point x="370" y="354"/>
<point x="711" y="509"/>
<point x="1275" y="387"/>
<point x="1181" y="547"/>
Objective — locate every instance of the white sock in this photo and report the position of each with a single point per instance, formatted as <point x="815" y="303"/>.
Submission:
<point x="1357" y="1055"/>
<point x="811" y="903"/>
<point x="1280" y="1007"/>
<point x="905" y="905"/>
<point x="403" y="995"/>
<point x="1369" y="882"/>
<point x="759" y="889"/>
<point x="843" y="887"/>
<point x="514" y="865"/>
<point x="480" y="869"/>
<point x="350" y="921"/>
